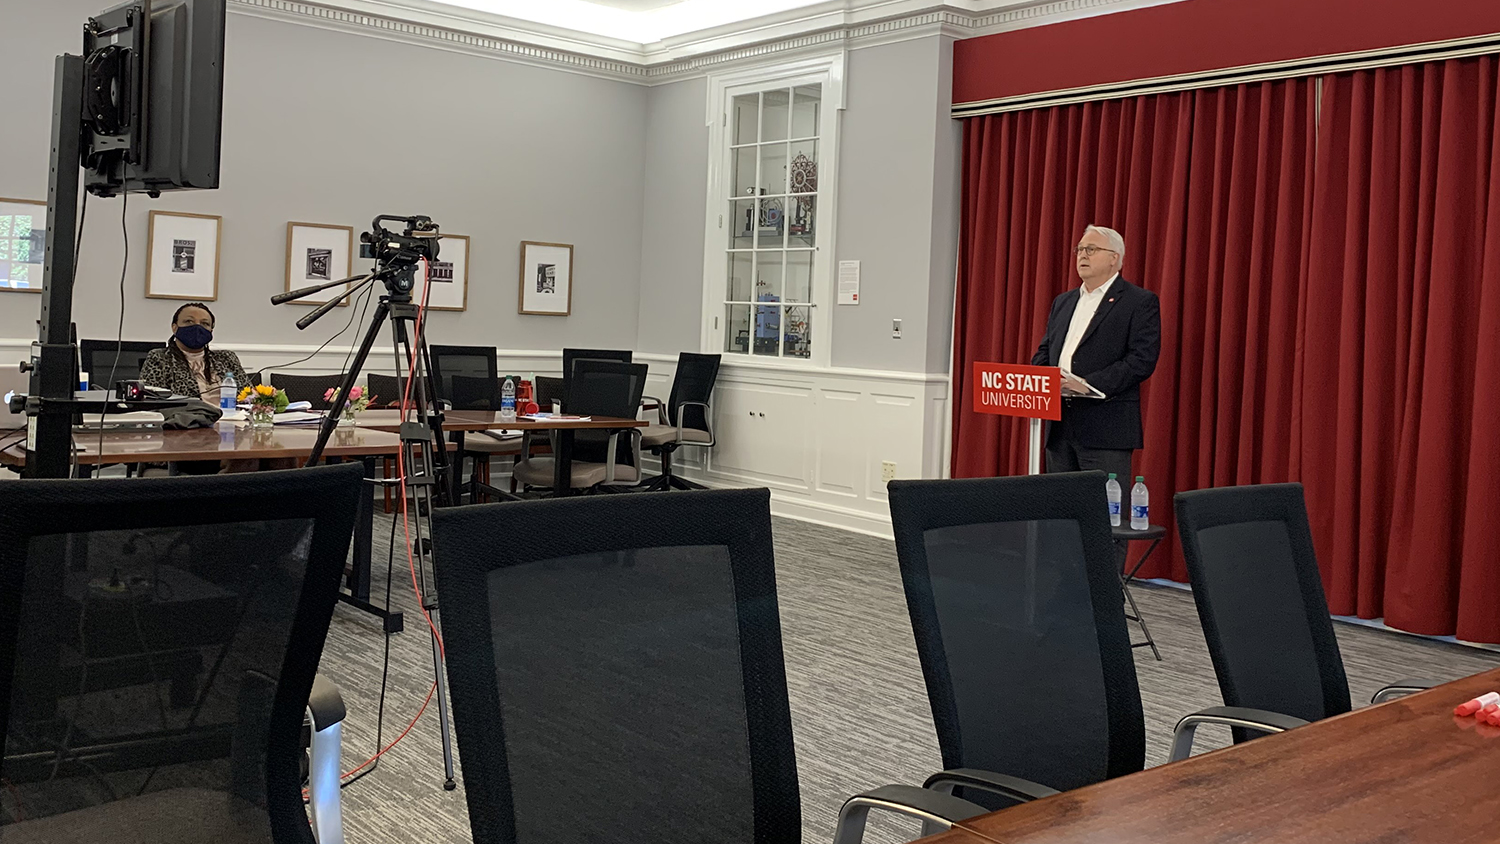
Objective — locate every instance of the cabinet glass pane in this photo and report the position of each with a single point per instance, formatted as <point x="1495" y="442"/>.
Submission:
<point x="741" y="276"/>
<point x="742" y="162"/>
<point x="768" y="274"/>
<point x="773" y="168"/>
<point x="802" y="221"/>
<point x="741" y="224"/>
<point x="5" y="243"/>
<point x="775" y="108"/>
<point x="798" y="334"/>
<point x="771" y="223"/>
<point x="767" y="330"/>
<point x="803" y="170"/>
<point x="746" y="118"/>
<point x="737" y="328"/>
<point x="798" y="276"/>
<point x="806" y="102"/>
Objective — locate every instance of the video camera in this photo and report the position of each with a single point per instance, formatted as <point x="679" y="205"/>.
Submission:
<point x="398" y="254"/>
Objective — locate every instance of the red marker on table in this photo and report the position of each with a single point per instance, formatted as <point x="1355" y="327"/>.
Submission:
<point x="1487" y="701"/>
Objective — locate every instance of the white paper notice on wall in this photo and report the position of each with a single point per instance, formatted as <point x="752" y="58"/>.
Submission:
<point x="848" y="282"/>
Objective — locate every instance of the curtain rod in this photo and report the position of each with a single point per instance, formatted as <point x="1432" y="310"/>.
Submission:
<point x="1315" y="66"/>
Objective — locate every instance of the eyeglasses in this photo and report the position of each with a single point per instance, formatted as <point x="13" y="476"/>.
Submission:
<point x="1091" y="249"/>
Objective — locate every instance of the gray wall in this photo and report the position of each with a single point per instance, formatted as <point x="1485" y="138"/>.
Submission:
<point x="508" y="153"/>
<point x="897" y="206"/>
<point x="672" y="213"/>
<point x="501" y="152"/>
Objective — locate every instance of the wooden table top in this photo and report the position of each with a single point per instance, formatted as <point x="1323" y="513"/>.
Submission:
<point x="223" y="442"/>
<point x="1406" y="770"/>
<point x="487" y="420"/>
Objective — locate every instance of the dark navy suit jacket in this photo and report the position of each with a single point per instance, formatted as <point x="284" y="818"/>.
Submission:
<point x="1118" y="351"/>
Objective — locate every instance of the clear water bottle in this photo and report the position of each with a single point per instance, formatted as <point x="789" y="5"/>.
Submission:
<point x="508" y="400"/>
<point x="1140" y="505"/>
<point x="229" y="392"/>
<point x="1112" y="492"/>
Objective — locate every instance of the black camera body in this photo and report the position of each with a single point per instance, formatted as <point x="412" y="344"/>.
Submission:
<point x="398" y="254"/>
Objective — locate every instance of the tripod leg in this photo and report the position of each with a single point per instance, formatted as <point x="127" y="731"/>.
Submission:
<point x="325" y="430"/>
<point x="441" y="673"/>
<point x="439" y="670"/>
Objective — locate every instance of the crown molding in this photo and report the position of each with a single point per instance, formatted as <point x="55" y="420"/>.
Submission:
<point x="852" y="24"/>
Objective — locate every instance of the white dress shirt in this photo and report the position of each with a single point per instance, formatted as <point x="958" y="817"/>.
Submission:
<point x="1088" y="304"/>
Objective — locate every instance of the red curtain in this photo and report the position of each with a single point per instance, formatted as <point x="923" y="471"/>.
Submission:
<point x="1403" y="303"/>
<point x="1211" y="191"/>
<point x="1329" y="278"/>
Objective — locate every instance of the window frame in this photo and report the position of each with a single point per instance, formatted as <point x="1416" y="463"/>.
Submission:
<point x="827" y="71"/>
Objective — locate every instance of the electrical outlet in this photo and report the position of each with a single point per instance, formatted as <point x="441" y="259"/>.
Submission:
<point x="887" y="471"/>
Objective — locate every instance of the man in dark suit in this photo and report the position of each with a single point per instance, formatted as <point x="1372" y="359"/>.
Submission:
<point x="1106" y="335"/>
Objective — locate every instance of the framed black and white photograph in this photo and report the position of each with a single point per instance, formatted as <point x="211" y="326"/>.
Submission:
<point x="448" y="276"/>
<point x="182" y="261"/>
<point x="23" y="243"/>
<point x="318" y="253"/>
<point x="546" y="278"/>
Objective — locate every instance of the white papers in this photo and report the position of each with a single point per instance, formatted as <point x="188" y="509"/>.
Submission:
<point x="298" y="417"/>
<point x="848" y="282"/>
<point x="1093" y="392"/>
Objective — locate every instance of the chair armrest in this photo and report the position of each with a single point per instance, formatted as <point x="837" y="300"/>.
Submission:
<point x="1402" y="688"/>
<point x="1015" y="788"/>
<point x="707" y="421"/>
<point x="661" y="408"/>
<point x="325" y="706"/>
<point x="1260" y="720"/>
<point x="931" y="807"/>
<point x="325" y="703"/>
<point x="612" y="450"/>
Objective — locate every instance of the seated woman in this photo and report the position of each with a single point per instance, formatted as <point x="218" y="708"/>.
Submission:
<point x="187" y="366"/>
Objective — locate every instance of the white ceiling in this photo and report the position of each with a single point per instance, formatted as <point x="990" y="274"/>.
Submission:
<point x="641" y="21"/>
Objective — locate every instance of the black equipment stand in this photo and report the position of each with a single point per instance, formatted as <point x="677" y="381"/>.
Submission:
<point x="49" y="448"/>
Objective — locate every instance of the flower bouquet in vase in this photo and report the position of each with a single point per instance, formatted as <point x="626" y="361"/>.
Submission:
<point x="358" y="400"/>
<point x="264" y="402"/>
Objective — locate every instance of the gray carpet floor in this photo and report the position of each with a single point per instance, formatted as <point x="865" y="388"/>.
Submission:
<point x="859" y="708"/>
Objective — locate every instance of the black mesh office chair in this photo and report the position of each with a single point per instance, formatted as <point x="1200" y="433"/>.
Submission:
<point x="683" y="420"/>
<point x="97" y="358"/>
<point x="1015" y="604"/>
<point x="571" y="356"/>
<point x="597" y="388"/>
<point x="473" y="392"/>
<point x="1250" y="557"/>
<point x="482" y="392"/>
<point x="546" y="390"/>
<point x="386" y="389"/>
<point x="159" y="640"/>
<point x="618" y="676"/>
<point x="472" y="362"/>
<point x="308" y="388"/>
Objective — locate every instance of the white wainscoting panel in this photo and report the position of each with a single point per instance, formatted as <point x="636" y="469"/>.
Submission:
<point x="816" y="437"/>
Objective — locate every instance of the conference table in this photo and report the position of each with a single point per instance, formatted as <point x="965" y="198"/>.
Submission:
<point x="1405" y="770"/>
<point x="458" y="423"/>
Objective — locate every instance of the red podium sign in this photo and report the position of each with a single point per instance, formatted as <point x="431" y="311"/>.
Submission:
<point x="1009" y="389"/>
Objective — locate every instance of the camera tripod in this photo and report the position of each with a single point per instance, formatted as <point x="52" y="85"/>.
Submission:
<point x="422" y="489"/>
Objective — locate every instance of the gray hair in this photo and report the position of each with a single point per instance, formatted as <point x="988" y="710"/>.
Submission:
<point x="1112" y="237"/>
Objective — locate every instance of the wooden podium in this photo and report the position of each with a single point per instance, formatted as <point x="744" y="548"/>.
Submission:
<point x="1030" y="392"/>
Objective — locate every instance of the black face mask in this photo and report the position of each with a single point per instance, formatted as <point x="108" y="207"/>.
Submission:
<point x="193" y="336"/>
